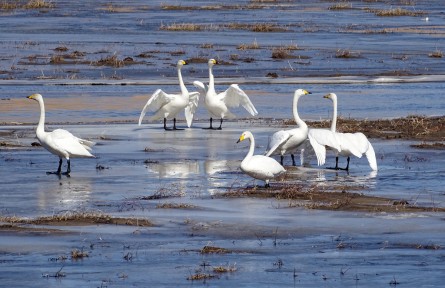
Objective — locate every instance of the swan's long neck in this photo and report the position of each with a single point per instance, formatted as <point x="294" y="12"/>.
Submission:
<point x="211" y="80"/>
<point x="41" y="126"/>
<point x="251" y="149"/>
<point x="297" y="118"/>
<point x="184" y="90"/>
<point x="334" y="115"/>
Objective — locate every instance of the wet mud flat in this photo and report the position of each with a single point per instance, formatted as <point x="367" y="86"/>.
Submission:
<point x="151" y="206"/>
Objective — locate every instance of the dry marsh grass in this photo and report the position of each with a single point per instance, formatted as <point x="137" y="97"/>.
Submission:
<point x="395" y="12"/>
<point x="182" y="27"/>
<point x="347" y="54"/>
<point x="341" y="6"/>
<point x="436" y="54"/>
<point x="78" y="219"/>
<point x="38" y="4"/>
<point x="253" y="45"/>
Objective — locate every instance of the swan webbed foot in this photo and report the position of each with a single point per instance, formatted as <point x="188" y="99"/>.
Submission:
<point x="53" y="173"/>
<point x="178" y="128"/>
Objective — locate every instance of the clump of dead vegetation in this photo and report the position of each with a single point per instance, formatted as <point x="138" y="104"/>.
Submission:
<point x="175" y="206"/>
<point x="341" y="6"/>
<point x="77" y="254"/>
<point x="32" y="4"/>
<point x="411" y="128"/>
<point x="77" y="218"/>
<point x="182" y="27"/>
<point x="347" y="54"/>
<point x="214" y="250"/>
<point x="395" y="12"/>
<point x="436" y="54"/>
<point x="253" y="45"/>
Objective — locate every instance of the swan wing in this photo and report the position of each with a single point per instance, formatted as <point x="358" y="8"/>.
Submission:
<point x="191" y="107"/>
<point x="263" y="166"/>
<point x="319" y="149"/>
<point x="319" y="139"/>
<point x="278" y="138"/>
<point x="234" y="96"/>
<point x="158" y="99"/>
<point x="306" y="153"/>
<point x="202" y="88"/>
<point x="63" y="141"/>
<point x="352" y="144"/>
<point x="370" y="155"/>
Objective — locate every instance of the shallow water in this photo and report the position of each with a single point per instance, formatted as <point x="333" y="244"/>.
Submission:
<point x="273" y="243"/>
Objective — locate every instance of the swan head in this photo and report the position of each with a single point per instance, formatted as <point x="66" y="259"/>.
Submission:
<point x="212" y="62"/>
<point x="331" y="96"/>
<point x="301" y="92"/>
<point x="244" y="136"/>
<point x="36" y="97"/>
<point x="181" y="63"/>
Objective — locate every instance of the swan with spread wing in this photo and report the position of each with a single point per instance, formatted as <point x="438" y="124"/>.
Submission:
<point x="167" y="106"/>
<point x="218" y="104"/>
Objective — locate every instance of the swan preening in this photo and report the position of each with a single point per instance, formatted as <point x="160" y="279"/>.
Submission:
<point x="287" y="141"/>
<point x="218" y="104"/>
<point x="60" y="142"/>
<point x="167" y="106"/>
<point x="343" y="144"/>
<point x="259" y="166"/>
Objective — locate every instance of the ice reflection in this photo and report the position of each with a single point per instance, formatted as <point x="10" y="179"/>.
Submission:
<point x="65" y="193"/>
<point x="174" y="169"/>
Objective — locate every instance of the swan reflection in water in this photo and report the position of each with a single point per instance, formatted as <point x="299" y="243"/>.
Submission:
<point x="65" y="194"/>
<point x="174" y="169"/>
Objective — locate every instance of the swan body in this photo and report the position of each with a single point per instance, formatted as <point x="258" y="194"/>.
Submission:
<point x="218" y="104"/>
<point x="60" y="142"/>
<point x="167" y="106"/>
<point x="259" y="166"/>
<point x="287" y="141"/>
<point x="344" y="144"/>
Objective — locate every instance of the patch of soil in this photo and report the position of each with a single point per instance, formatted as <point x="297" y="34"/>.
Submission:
<point x="78" y="219"/>
<point x="338" y="198"/>
<point x="407" y="128"/>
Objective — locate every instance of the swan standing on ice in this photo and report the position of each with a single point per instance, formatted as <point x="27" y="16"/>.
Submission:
<point x="346" y="144"/>
<point x="287" y="141"/>
<point x="259" y="166"/>
<point x="167" y="106"/>
<point x="218" y="104"/>
<point x="60" y="142"/>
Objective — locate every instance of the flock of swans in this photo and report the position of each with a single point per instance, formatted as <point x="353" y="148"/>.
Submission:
<point x="302" y="139"/>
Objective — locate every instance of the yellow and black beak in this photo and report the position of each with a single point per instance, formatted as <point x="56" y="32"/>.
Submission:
<point x="241" y="138"/>
<point x="307" y="92"/>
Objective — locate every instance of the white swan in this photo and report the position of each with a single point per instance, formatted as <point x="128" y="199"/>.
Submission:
<point x="167" y="106"/>
<point x="218" y="104"/>
<point x="259" y="166"/>
<point x="287" y="141"/>
<point x="60" y="142"/>
<point x="345" y="144"/>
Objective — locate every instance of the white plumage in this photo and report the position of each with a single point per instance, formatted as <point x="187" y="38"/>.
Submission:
<point x="218" y="104"/>
<point x="287" y="141"/>
<point x="167" y="106"/>
<point x="60" y="142"/>
<point x="259" y="166"/>
<point x="344" y="144"/>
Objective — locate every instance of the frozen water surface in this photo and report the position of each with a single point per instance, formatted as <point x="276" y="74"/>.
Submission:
<point x="271" y="243"/>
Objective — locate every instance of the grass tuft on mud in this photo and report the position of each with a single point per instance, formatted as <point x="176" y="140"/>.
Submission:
<point x="77" y="219"/>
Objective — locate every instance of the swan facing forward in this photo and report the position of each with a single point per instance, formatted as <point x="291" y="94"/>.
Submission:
<point x="287" y="141"/>
<point x="60" y="142"/>
<point x="259" y="166"/>
<point x="345" y="144"/>
<point x="167" y="106"/>
<point x="218" y="104"/>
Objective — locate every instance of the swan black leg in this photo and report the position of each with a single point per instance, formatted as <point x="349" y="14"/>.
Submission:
<point x="336" y="163"/>
<point x="211" y="127"/>
<point x="165" y="124"/>
<point x="347" y="165"/>
<point x="220" y="125"/>
<point x="281" y="160"/>
<point x="59" y="169"/>
<point x="267" y="185"/>
<point x="68" y="169"/>
<point x="293" y="159"/>
<point x="174" y="125"/>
